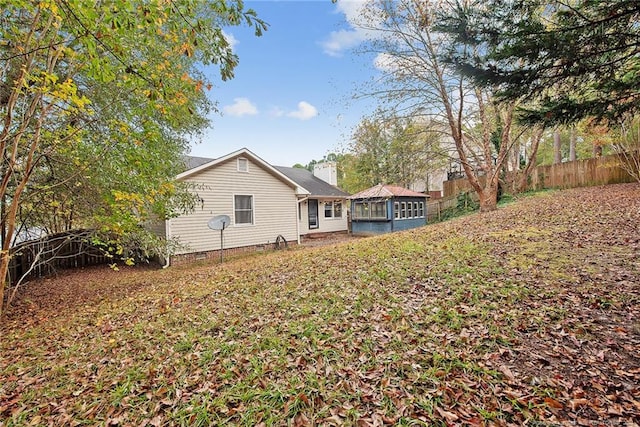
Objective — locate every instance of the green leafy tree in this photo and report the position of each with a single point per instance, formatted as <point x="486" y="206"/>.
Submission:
<point x="571" y="60"/>
<point x="97" y="103"/>
<point x="391" y="150"/>
<point x="627" y="145"/>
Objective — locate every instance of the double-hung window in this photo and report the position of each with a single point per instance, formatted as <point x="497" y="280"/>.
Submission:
<point x="337" y="209"/>
<point x="333" y="209"/>
<point x="243" y="209"/>
<point x="328" y="209"/>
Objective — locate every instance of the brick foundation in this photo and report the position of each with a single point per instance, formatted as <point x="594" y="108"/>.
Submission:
<point x="214" y="255"/>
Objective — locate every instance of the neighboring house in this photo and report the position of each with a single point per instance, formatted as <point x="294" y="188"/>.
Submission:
<point x="261" y="202"/>
<point x="386" y="208"/>
<point x="324" y="209"/>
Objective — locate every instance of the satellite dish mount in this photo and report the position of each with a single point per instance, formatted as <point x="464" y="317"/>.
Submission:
<point x="220" y="222"/>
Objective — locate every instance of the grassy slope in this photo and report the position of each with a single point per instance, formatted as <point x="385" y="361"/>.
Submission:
<point x="530" y="313"/>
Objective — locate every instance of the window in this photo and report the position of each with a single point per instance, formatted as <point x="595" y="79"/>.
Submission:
<point x="243" y="164"/>
<point x="415" y="210"/>
<point x="421" y="213"/>
<point x="409" y="209"/>
<point x="396" y="210"/>
<point x="243" y="209"/>
<point x="333" y="209"/>
<point x="378" y="210"/>
<point x="328" y="209"/>
<point x="361" y="210"/>
<point x="403" y="211"/>
<point x="370" y="210"/>
<point x="337" y="209"/>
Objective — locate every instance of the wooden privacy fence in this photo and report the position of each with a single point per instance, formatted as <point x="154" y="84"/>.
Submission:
<point x="37" y="258"/>
<point x="436" y="208"/>
<point x="580" y="173"/>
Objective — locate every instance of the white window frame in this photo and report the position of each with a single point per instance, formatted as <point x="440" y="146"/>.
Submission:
<point x="396" y="210"/>
<point x="336" y="203"/>
<point x="384" y="210"/>
<point x="242" y="164"/>
<point x="329" y="211"/>
<point x="361" y="207"/>
<point x="409" y="209"/>
<point x="421" y="212"/>
<point x="253" y="211"/>
<point x="367" y="208"/>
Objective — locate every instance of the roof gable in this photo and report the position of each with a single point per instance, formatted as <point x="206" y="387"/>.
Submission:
<point x="199" y="164"/>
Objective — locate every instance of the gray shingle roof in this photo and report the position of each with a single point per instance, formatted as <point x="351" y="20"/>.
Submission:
<point x="311" y="183"/>
<point x="192" y="162"/>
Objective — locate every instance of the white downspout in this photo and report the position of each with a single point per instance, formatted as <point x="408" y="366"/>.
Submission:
<point x="167" y="233"/>
<point x="298" y="214"/>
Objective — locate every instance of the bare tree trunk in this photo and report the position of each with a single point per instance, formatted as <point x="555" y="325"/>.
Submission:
<point x="17" y="167"/>
<point x="557" y="154"/>
<point x="531" y="161"/>
<point x="572" y="144"/>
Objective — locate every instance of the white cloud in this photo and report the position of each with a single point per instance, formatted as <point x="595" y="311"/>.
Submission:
<point x="233" y="42"/>
<point x="305" y="111"/>
<point x="385" y="62"/>
<point x="340" y="41"/>
<point x="241" y="107"/>
<point x="276" y="112"/>
<point x="352" y="9"/>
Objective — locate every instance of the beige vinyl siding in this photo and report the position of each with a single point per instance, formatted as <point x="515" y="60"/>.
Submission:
<point x="325" y="225"/>
<point x="274" y="208"/>
<point x="330" y="225"/>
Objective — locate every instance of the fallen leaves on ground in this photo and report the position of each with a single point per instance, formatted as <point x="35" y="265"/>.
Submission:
<point x="528" y="315"/>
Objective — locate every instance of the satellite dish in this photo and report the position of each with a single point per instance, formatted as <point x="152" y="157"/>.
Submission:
<point x="219" y="222"/>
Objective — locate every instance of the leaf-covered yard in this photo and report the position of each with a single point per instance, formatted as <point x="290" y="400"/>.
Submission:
<point x="530" y="314"/>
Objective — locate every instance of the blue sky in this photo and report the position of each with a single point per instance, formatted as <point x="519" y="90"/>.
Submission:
<point x="291" y="98"/>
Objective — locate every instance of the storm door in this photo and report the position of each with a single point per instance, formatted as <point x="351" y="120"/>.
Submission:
<point x="313" y="214"/>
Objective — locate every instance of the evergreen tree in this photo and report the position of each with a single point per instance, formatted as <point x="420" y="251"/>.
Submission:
<point x="570" y="60"/>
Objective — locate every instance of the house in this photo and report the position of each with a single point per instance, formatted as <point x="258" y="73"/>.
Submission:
<point x="264" y="204"/>
<point x="261" y="202"/>
<point x="324" y="209"/>
<point x="386" y="208"/>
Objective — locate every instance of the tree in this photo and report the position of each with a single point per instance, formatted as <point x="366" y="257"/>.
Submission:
<point x="557" y="147"/>
<point x="98" y="100"/>
<point x="627" y="146"/>
<point x="391" y="150"/>
<point x="571" y="59"/>
<point x="411" y="44"/>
